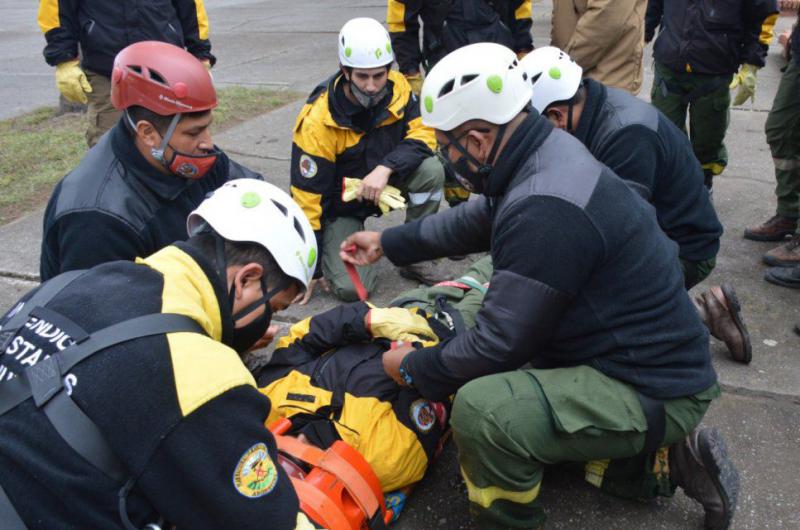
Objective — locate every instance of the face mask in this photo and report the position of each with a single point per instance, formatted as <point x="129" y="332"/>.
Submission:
<point x="366" y="100"/>
<point x="472" y="181"/>
<point x="183" y="164"/>
<point x="245" y="336"/>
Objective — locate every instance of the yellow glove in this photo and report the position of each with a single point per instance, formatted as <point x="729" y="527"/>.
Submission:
<point x="415" y="80"/>
<point x="397" y="323"/>
<point x="745" y="79"/>
<point x="72" y="82"/>
<point x="391" y="197"/>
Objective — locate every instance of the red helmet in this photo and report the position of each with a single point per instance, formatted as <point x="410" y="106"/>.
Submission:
<point x="162" y="78"/>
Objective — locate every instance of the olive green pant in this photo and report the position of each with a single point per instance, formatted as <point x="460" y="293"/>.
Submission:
<point x="464" y="293"/>
<point x="509" y="426"/>
<point x="707" y="100"/>
<point x="423" y="193"/>
<point x="783" y="137"/>
<point x="100" y="113"/>
<point x="695" y="272"/>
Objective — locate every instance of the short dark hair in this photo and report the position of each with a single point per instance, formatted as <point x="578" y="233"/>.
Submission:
<point x="160" y="122"/>
<point x="242" y="253"/>
<point x="577" y="99"/>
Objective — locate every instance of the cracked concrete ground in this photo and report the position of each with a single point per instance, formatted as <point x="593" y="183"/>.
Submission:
<point x="290" y="44"/>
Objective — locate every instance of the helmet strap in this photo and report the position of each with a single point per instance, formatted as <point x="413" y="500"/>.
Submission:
<point x="158" y="153"/>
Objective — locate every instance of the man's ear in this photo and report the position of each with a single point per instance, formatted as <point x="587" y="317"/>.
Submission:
<point x="250" y="273"/>
<point x="484" y="141"/>
<point x="557" y="117"/>
<point x="148" y="134"/>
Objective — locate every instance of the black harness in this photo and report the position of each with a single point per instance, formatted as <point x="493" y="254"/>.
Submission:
<point x="45" y="383"/>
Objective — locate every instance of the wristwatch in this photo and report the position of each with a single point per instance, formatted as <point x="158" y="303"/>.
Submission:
<point x="405" y="375"/>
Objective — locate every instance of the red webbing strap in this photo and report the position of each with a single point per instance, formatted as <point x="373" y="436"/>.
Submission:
<point x="299" y="450"/>
<point x="451" y="283"/>
<point x="319" y="506"/>
<point x="354" y="277"/>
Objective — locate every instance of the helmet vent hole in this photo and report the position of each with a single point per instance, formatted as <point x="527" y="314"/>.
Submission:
<point x="135" y="68"/>
<point x="447" y="88"/>
<point x="158" y="78"/>
<point x="280" y="207"/>
<point x="524" y="76"/>
<point x="535" y="78"/>
<point x="468" y="79"/>
<point x="299" y="229"/>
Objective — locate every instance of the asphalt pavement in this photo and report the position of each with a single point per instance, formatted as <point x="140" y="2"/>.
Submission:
<point x="292" y="45"/>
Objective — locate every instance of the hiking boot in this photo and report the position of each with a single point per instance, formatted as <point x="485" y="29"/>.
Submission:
<point x="701" y="467"/>
<point x="785" y="277"/>
<point x="786" y="255"/>
<point x="775" y="229"/>
<point x="424" y="272"/>
<point x="721" y="312"/>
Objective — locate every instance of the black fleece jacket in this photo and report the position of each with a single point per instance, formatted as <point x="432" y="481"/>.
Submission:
<point x="583" y="276"/>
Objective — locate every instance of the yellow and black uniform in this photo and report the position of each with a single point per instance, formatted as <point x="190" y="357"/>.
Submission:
<point x="102" y="29"/>
<point x="335" y="138"/>
<point x="328" y="377"/>
<point x="178" y="410"/>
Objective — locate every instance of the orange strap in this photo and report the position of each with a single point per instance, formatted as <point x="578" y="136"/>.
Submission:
<point x="319" y="506"/>
<point x="354" y="277"/>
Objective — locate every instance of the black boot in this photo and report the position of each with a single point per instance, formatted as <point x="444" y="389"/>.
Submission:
<point x="701" y="467"/>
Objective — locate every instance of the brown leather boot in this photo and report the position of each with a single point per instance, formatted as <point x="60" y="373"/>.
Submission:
<point x="700" y="465"/>
<point x="775" y="229"/>
<point x="786" y="255"/>
<point x="425" y="272"/>
<point x="721" y="312"/>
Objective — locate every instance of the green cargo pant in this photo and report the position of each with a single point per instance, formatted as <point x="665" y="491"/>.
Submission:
<point x="783" y="137"/>
<point x="509" y="426"/>
<point x="695" y="272"/>
<point x="464" y="293"/>
<point x="707" y="99"/>
<point x="100" y="113"/>
<point x="423" y="192"/>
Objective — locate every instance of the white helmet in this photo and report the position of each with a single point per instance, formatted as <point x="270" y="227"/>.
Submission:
<point x="477" y="82"/>
<point x="553" y="74"/>
<point x="255" y="211"/>
<point x="364" y="43"/>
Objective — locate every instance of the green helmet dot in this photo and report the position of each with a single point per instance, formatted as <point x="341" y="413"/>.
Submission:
<point x="495" y="83"/>
<point x="378" y="53"/>
<point x="348" y="52"/>
<point x="388" y="47"/>
<point x="312" y="257"/>
<point x="555" y="72"/>
<point x="251" y="199"/>
<point x="428" y="103"/>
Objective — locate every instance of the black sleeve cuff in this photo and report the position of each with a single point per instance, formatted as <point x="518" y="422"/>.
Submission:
<point x="401" y="244"/>
<point x="429" y="375"/>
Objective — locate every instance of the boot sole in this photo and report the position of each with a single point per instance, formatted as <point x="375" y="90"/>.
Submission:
<point x="777" y="281"/>
<point x="735" y="309"/>
<point x="775" y="262"/>
<point x="758" y="237"/>
<point x="714" y="455"/>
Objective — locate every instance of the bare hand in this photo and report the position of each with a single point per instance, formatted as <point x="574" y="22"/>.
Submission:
<point x="302" y="299"/>
<point x="392" y="360"/>
<point x="264" y="341"/>
<point x="372" y="185"/>
<point x="361" y="248"/>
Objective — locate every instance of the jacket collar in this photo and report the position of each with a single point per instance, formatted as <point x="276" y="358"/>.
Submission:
<point x="192" y="287"/>
<point x="167" y="187"/>
<point x="596" y="95"/>
<point x="341" y="110"/>
<point x="523" y="143"/>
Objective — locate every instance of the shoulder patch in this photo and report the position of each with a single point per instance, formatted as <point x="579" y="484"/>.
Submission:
<point x="422" y="415"/>
<point x="255" y="474"/>
<point x="308" y="168"/>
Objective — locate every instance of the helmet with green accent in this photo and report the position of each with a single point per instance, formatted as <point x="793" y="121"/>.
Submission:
<point x="554" y="75"/>
<point x="477" y="82"/>
<point x="364" y="43"/>
<point x="251" y="210"/>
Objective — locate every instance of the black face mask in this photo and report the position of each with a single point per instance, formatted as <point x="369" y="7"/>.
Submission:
<point x="245" y="336"/>
<point x="472" y="181"/>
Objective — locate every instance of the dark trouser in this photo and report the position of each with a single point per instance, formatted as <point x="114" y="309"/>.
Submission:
<point x="783" y="137"/>
<point x="100" y="113"/>
<point x="707" y="99"/>
<point x="695" y="272"/>
<point x="509" y="426"/>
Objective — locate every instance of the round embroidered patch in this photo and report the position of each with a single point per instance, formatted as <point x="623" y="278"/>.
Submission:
<point x="422" y="415"/>
<point x="255" y="474"/>
<point x="187" y="170"/>
<point x="308" y="168"/>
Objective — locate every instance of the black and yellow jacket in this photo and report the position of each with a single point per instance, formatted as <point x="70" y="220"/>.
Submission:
<point x="335" y="138"/>
<point x="327" y="375"/>
<point x="179" y="410"/>
<point x="104" y="28"/>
